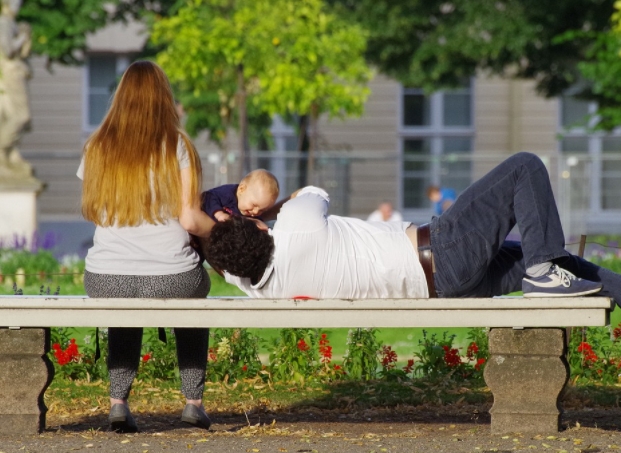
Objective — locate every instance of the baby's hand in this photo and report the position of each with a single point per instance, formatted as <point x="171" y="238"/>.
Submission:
<point x="221" y="216"/>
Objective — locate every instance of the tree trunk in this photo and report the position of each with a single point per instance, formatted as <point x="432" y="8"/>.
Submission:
<point x="244" y="165"/>
<point x="302" y="148"/>
<point x="312" y="147"/>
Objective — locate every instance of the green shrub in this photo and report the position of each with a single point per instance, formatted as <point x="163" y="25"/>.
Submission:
<point x="25" y="268"/>
<point x="234" y="355"/>
<point x="361" y="359"/>
<point x="72" y="363"/>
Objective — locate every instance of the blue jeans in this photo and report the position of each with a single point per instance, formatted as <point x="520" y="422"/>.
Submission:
<point x="471" y="254"/>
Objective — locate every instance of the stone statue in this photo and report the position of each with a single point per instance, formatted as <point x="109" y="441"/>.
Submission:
<point x="15" y="43"/>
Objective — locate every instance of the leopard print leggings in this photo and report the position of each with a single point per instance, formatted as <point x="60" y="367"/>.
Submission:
<point x="124" y="344"/>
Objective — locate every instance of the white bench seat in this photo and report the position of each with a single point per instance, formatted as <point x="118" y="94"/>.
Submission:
<point x="68" y="311"/>
<point x="526" y="370"/>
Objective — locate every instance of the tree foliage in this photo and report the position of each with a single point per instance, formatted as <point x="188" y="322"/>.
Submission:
<point x="435" y="44"/>
<point x="60" y="27"/>
<point x="291" y="53"/>
<point x="602" y="69"/>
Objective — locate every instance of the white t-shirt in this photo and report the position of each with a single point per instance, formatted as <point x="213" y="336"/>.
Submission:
<point x="322" y="257"/>
<point x="376" y="216"/>
<point x="146" y="249"/>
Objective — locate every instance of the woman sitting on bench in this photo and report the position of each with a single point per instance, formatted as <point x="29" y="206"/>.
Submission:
<point x="141" y="188"/>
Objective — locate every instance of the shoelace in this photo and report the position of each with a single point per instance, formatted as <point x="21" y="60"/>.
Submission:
<point x="565" y="276"/>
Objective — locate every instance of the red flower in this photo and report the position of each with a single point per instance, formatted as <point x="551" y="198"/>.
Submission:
<point x="479" y="364"/>
<point x="616" y="333"/>
<point x="245" y="367"/>
<point x="302" y="346"/>
<point x="451" y="357"/>
<point x="409" y="367"/>
<point x="212" y="357"/>
<point x="472" y="351"/>
<point x="389" y="357"/>
<point x="588" y="354"/>
<point x="325" y="349"/>
<point x="147" y="357"/>
<point x="584" y="346"/>
<point x="71" y="354"/>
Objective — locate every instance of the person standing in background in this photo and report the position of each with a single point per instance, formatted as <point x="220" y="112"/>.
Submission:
<point x="385" y="213"/>
<point x="441" y="197"/>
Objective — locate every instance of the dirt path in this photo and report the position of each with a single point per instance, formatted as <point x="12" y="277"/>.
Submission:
<point x="404" y="429"/>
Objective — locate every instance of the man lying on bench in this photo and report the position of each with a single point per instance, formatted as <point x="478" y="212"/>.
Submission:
<point x="461" y="253"/>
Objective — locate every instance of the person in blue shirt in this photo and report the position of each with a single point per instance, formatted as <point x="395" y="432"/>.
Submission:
<point x="441" y="197"/>
<point x="255" y="193"/>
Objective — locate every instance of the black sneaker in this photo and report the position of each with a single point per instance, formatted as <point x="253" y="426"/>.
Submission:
<point x="121" y="419"/>
<point x="558" y="283"/>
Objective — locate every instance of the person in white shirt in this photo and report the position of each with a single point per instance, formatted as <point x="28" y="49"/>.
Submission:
<point x="461" y="253"/>
<point x="323" y="256"/>
<point x="385" y="213"/>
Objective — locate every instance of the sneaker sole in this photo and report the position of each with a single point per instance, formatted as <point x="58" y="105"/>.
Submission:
<point x="583" y="293"/>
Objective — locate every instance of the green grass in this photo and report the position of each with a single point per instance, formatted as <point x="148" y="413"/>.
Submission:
<point x="74" y="396"/>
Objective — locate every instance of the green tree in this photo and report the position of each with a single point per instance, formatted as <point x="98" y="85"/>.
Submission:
<point x="269" y="57"/>
<point x="601" y="70"/>
<point x="435" y="44"/>
<point x="207" y="53"/>
<point x="59" y="27"/>
<point x="319" y="68"/>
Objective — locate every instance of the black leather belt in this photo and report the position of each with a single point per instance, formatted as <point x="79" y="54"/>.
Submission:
<point x="425" y="255"/>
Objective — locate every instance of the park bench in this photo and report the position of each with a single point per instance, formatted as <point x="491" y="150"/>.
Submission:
<point x="526" y="372"/>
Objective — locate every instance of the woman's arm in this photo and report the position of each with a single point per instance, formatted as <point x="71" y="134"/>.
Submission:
<point x="192" y="218"/>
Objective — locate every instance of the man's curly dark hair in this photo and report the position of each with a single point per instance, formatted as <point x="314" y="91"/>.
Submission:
<point x="239" y="247"/>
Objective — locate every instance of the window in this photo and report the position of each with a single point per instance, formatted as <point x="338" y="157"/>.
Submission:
<point x="101" y="73"/>
<point x="595" y="164"/>
<point x="436" y="134"/>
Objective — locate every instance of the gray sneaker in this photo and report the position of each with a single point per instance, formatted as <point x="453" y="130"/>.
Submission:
<point x="195" y="416"/>
<point x="558" y="283"/>
<point x="121" y="419"/>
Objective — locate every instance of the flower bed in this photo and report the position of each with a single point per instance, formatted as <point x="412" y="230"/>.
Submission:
<point x="293" y="355"/>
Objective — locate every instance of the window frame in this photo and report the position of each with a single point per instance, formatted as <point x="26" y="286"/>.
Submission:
<point x="122" y="62"/>
<point x="436" y="132"/>
<point x="594" y="151"/>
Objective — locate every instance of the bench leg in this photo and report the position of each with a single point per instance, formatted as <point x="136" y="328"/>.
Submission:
<point x="25" y="373"/>
<point x="526" y="372"/>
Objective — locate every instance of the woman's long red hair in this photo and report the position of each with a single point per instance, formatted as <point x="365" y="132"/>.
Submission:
<point x="131" y="170"/>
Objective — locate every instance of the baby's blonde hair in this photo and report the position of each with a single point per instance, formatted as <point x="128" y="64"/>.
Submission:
<point x="263" y="177"/>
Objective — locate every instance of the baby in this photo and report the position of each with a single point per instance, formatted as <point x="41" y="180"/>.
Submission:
<point x="255" y="193"/>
